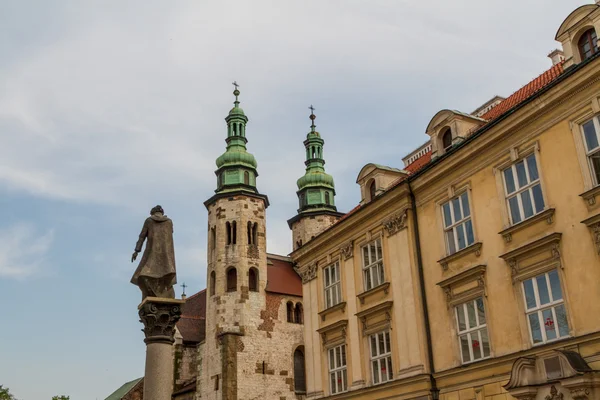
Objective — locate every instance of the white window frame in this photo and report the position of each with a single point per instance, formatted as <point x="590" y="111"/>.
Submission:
<point x="455" y="224"/>
<point x="338" y="369"/>
<point x="381" y="356"/>
<point x="373" y="272"/>
<point x="520" y="189"/>
<point x="540" y="308"/>
<point x="470" y="332"/>
<point x="589" y="153"/>
<point x="332" y="289"/>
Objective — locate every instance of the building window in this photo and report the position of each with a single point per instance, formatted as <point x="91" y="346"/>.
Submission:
<point x="302" y="200"/>
<point x="372" y="190"/>
<point x="473" y="337"/>
<point x="255" y="233"/>
<point x="373" y="264"/>
<point x="298" y="314"/>
<point x="545" y="308"/>
<point x="253" y="280"/>
<point x="233" y="232"/>
<point x="290" y="311"/>
<point x="458" y="228"/>
<point x="213" y="279"/>
<point x="447" y="139"/>
<point x="231" y="279"/>
<point x="588" y="44"/>
<point x="591" y="137"/>
<point x="332" y="282"/>
<point x="246" y="178"/>
<point x="338" y="380"/>
<point x="523" y="189"/>
<point x="381" y="357"/>
<point x="327" y="199"/>
<point x="213" y="238"/>
<point x="299" y="374"/>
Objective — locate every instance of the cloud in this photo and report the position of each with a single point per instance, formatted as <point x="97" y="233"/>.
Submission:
<point x="23" y="251"/>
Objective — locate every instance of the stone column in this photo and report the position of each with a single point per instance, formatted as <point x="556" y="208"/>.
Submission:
<point x="159" y="317"/>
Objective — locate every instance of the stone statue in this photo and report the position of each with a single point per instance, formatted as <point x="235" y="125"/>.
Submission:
<point x="155" y="276"/>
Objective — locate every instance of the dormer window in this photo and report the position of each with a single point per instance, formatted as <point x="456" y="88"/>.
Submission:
<point x="447" y="139"/>
<point x="588" y="44"/>
<point x="372" y="190"/>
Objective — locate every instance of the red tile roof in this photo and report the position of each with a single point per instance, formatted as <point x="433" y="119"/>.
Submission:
<point x="419" y="163"/>
<point x="192" y="324"/>
<point x="281" y="277"/>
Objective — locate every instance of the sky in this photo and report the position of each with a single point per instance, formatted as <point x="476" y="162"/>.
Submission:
<point x="108" y="108"/>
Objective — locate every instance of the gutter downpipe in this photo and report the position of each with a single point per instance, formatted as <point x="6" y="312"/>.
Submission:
<point x="435" y="392"/>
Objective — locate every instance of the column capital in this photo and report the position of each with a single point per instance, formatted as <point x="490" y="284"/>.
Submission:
<point x="159" y="316"/>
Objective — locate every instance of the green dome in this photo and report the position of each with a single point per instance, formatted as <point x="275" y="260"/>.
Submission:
<point x="315" y="178"/>
<point x="236" y="111"/>
<point x="236" y="157"/>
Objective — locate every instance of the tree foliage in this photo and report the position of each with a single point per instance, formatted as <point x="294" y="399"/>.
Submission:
<point x="63" y="397"/>
<point x="5" y="394"/>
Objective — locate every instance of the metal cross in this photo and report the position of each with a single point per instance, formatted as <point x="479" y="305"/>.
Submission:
<point x="235" y="84"/>
<point x="312" y="109"/>
<point x="184" y="286"/>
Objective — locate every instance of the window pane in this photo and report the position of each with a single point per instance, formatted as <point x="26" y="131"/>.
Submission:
<point x="373" y="345"/>
<point x="450" y="241"/>
<point x="344" y="355"/>
<point x="375" y="372"/>
<point x="532" y="167"/>
<point x="384" y="372"/>
<point x="460" y="315"/>
<point x="471" y="314"/>
<point x="345" y="380"/>
<point x="538" y="199"/>
<point x="389" y="367"/>
<point x="327" y="281"/>
<point x="589" y="132"/>
<point x="543" y="293"/>
<point x="561" y="319"/>
<point x="464" y="347"/>
<point x="331" y="360"/>
<point x="465" y="204"/>
<point x="460" y="235"/>
<point x="381" y="277"/>
<point x="333" y="386"/>
<point x="387" y="342"/>
<point x="373" y="252"/>
<point x="527" y="204"/>
<point x="381" y="344"/>
<point x="514" y="210"/>
<point x="520" y="167"/>
<point x="456" y="209"/>
<point x="529" y="294"/>
<point x="555" y="285"/>
<point x="480" y="311"/>
<point x="595" y="162"/>
<point x="534" y="324"/>
<point x="475" y="345"/>
<point x="379" y="252"/>
<point x="485" y="342"/>
<point x="549" y="325"/>
<point x="509" y="180"/>
<point x="469" y="230"/>
<point x="447" y="215"/>
<point x="368" y="279"/>
<point x="328" y="298"/>
<point x="365" y="256"/>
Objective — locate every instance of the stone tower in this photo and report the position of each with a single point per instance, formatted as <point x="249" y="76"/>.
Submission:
<point x="316" y="192"/>
<point x="237" y="269"/>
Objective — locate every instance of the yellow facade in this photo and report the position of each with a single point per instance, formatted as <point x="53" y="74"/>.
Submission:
<point x="511" y="309"/>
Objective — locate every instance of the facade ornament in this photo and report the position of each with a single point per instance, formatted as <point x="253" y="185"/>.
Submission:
<point x="507" y="237"/>
<point x="395" y="223"/>
<point x="309" y="274"/>
<point x="596" y="233"/>
<point x="448" y="292"/>
<point x="253" y="251"/>
<point x="512" y="263"/>
<point x="159" y="319"/>
<point x="347" y="250"/>
<point x="554" y="394"/>
<point x="580" y="393"/>
<point x="555" y="251"/>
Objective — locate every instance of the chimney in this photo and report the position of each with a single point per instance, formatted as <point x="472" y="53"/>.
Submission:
<point x="183" y="296"/>
<point x="557" y="55"/>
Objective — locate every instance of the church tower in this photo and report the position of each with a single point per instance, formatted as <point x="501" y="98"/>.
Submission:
<point x="236" y="268"/>
<point x="316" y="192"/>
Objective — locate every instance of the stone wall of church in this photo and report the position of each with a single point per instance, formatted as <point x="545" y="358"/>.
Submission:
<point x="308" y="227"/>
<point x="185" y="358"/>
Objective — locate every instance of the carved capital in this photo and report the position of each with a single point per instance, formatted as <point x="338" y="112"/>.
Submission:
<point x="347" y="250"/>
<point x="395" y="223"/>
<point x="596" y="234"/>
<point x="554" y="394"/>
<point x="309" y="274"/>
<point x="159" y="317"/>
<point x="580" y="393"/>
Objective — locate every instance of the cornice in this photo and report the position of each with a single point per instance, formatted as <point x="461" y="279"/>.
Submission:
<point x="547" y="215"/>
<point x="233" y="193"/>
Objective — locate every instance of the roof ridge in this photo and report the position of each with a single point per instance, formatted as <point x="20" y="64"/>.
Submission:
<point x="196" y="294"/>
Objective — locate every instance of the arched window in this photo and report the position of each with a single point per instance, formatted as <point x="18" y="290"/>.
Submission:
<point x="298" y="314"/>
<point x="372" y="190"/>
<point x="228" y="229"/>
<point x="213" y="238"/>
<point x="447" y="139"/>
<point x="233" y="232"/>
<point x="246" y="178"/>
<point x="231" y="279"/>
<point x="290" y="311"/>
<point x="588" y="44"/>
<point x="299" y="374"/>
<point x="255" y="234"/>
<point x="213" y="279"/>
<point x="249" y="232"/>
<point x="253" y="280"/>
<point x="327" y="199"/>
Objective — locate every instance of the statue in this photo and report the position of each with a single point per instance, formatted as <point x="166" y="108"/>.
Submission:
<point x="155" y="276"/>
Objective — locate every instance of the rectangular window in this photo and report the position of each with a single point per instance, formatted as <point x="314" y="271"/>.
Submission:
<point x="338" y="381"/>
<point x="523" y="189"/>
<point x="473" y="338"/>
<point x="373" y="264"/>
<point x="591" y="137"/>
<point x="458" y="228"/>
<point x="333" y="288"/>
<point x="381" y="357"/>
<point x="545" y="308"/>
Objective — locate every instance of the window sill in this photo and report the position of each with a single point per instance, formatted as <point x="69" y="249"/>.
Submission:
<point x="384" y="286"/>
<point x="590" y="195"/>
<point x="474" y="248"/>
<point x="547" y="214"/>
<point x="339" y="306"/>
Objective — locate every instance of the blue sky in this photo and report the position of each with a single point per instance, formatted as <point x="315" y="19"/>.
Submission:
<point x="108" y="108"/>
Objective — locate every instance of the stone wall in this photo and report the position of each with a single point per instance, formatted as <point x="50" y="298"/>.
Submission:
<point x="310" y="226"/>
<point x="185" y="363"/>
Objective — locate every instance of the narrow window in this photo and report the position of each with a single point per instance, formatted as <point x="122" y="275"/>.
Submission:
<point x="249" y="232"/>
<point x="298" y="317"/>
<point x="255" y="234"/>
<point x="338" y="380"/>
<point x="253" y="280"/>
<point x="588" y="44"/>
<point x="301" y="200"/>
<point x="447" y="139"/>
<point x="327" y="199"/>
<point x="213" y="279"/>
<point x="216" y="382"/>
<point x="372" y="190"/>
<point x="290" y="311"/>
<point x="458" y="228"/>
<point x="591" y="137"/>
<point x="333" y="288"/>
<point x="299" y="374"/>
<point x="213" y="238"/>
<point x="471" y="322"/>
<point x="373" y="264"/>
<point x="523" y="190"/>
<point x="233" y="232"/>
<point x="231" y="279"/>
<point x="246" y="178"/>
<point x="381" y="357"/>
<point x="545" y="308"/>
<point x="228" y="229"/>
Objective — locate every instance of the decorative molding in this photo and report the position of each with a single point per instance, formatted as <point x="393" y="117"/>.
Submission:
<point x="396" y="222"/>
<point x="347" y="250"/>
<point x="594" y="224"/>
<point x="474" y="248"/>
<point x="547" y="215"/>
<point x="253" y="251"/>
<point x="474" y="274"/>
<point x="383" y="287"/>
<point x="549" y="244"/>
<point x="159" y="317"/>
<point x="554" y="394"/>
<point x="340" y="326"/>
<point x="307" y="274"/>
<point x="579" y="393"/>
<point x="339" y="306"/>
<point x="381" y="308"/>
<point x="590" y="195"/>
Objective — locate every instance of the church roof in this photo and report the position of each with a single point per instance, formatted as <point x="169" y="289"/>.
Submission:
<point x="281" y="277"/>
<point x="123" y="390"/>
<point x="192" y="324"/>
